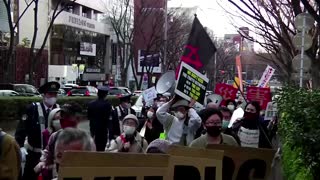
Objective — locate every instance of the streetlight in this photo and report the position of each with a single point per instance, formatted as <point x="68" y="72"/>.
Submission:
<point x="303" y="22"/>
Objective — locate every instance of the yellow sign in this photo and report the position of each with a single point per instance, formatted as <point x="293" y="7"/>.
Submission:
<point x="245" y="163"/>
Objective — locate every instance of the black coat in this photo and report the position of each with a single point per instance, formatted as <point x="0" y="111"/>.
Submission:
<point x="99" y="115"/>
<point x="29" y="126"/>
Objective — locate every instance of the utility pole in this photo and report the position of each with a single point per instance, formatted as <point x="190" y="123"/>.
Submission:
<point x="165" y="36"/>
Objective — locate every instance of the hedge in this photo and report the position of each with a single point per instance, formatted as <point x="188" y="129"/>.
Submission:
<point x="11" y="108"/>
<point x="300" y="133"/>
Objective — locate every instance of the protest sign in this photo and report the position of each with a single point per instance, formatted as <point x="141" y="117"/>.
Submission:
<point x="195" y="164"/>
<point x="226" y="91"/>
<point x="262" y="95"/>
<point x="267" y="74"/>
<point x="239" y="69"/>
<point x="191" y="84"/>
<point x="149" y="94"/>
<point x="95" y="165"/>
<point x="245" y="163"/>
<point x="271" y="111"/>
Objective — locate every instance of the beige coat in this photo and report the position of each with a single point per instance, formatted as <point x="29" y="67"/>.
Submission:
<point x="139" y="146"/>
<point x="10" y="158"/>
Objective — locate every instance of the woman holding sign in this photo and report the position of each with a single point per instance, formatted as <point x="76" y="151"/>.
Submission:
<point x="251" y="132"/>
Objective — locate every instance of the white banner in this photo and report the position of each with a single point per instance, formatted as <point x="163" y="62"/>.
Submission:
<point x="266" y="76"/>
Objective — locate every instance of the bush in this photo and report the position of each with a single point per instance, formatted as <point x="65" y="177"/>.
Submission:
<point x="11" y="108"/>
<point x="300" y="133"/>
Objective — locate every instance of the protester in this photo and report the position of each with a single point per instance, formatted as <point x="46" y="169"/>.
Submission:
<point x="72" y="139"/>
<point x="99" y="112"/>
<point x="227" y="114"/>
<point x="231" y="105"/>
<point x="10" y="158"/>
<point x="181" y="127"/>
<point x="152" y="126"/>
<point x="32" y="126"/>
<point x="159" y="146"/>
<point x="249" y="129"/>
<point x="53" y="124"/>
<point x="71" y="115"/>
<point x="212" y="105"/>
<point x="212" y="122"/>
<point x="118" y="114"/>
<point x="161" y="99"/>
<point x="130" y="140"/>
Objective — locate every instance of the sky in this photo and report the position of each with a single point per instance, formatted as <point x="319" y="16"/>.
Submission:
<point x="210" y="13"/>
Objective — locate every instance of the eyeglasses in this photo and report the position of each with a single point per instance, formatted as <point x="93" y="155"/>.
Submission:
<point x="213" y="123"/>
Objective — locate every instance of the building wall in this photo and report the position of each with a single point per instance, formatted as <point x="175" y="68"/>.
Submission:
<point x="26" y="24"/>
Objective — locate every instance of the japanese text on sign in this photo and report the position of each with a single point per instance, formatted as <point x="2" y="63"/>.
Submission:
<point x="191" y="84"/>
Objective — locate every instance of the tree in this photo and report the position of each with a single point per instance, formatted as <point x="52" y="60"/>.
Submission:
<point x="34" y="55"/>
<point x="273" y="22"/>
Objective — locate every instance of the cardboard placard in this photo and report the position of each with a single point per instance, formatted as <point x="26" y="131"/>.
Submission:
<point x="267" y="74"/>
<point x="150" y="94"/>
<point x="245" y="163"/>
<point x="95" y="165"/>
<point x="262" y="95"/>
<point x="195" y="163"/>
<point x="271" y="111"/>
<point x="191" y="84"/>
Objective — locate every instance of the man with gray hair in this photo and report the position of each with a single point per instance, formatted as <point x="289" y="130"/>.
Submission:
<point x="72" y="139"/>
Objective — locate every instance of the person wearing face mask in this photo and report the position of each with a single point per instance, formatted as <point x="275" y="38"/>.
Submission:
<point x="250" y="130"/>
<point x="231" y="105"/>
<point x="32" y="125"/>
<point x="212" y="123"/>
<point x="130" y="140"/>
<point x="181" y="127"/>
<point x="118" y="114"/>
<point x="152" y="125"/>
<point x="71" y="115"/>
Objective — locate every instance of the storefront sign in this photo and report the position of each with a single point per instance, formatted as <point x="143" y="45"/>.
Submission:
<point x="191" y="84"/>
<point x="245" y="163"/>
<point x="150" y="61"/>
<point x="81" y="22"/>
<point x="262" y="95"/>
<point x="93" y="70"/>
<point x="87" y="49"/>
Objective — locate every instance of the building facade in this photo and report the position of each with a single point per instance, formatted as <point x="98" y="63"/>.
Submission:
<point x="78" y="46"/>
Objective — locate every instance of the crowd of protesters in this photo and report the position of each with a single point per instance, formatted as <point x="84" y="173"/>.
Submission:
<point x="47" y="130"/>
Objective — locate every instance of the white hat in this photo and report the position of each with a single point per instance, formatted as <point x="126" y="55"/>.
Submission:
<point x="181" y="102"/>
<point x="131" y="116"/>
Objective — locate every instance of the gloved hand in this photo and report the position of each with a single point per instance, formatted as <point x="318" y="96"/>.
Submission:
<point x="24" y="153"/>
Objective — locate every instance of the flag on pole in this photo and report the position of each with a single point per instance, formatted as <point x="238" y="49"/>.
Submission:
<point x="199" y="49"/>
<point x="239" y="68"/>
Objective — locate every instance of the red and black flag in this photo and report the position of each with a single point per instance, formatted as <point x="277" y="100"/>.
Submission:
<point x="199" y="49"/>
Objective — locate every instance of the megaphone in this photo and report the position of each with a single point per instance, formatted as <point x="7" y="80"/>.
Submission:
<point x="166" y="83"/>
<point x="215" y="98"/>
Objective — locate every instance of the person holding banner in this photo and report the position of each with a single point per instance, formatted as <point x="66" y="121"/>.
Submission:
<point x="181" y="127"/>
<point x="212" y="123"/>
<point x="251" y="132"/>
<point x="130" y="140"/>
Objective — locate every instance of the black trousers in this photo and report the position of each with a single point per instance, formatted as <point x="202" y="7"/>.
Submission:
<point x="32" y="160"/>
<point x="100" y="140"/>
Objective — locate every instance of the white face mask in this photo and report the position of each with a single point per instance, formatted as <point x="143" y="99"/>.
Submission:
<point x="179" y="115"/>
<point x="50" y="101"/>
<point x="128" y="130"/>
<point x="150" y="114"/>
<point x="56" y="124"/>
<point x="230" y="107"/>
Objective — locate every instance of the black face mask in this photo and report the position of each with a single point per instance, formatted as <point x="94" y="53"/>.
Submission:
<point x="214" y="131"/>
